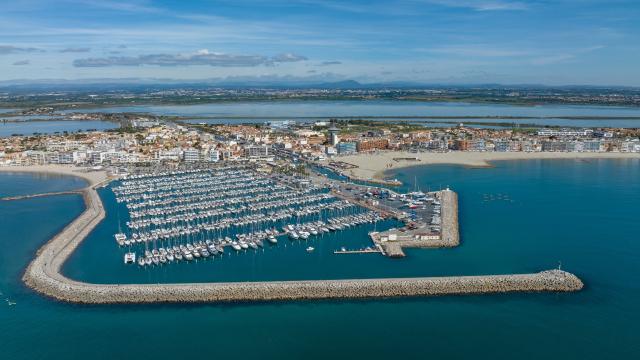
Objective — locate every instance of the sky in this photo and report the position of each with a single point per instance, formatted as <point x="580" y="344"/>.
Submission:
<point x="550" y="42"/>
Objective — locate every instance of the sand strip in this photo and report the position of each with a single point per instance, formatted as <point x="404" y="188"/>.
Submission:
<point x="373" y="165"/>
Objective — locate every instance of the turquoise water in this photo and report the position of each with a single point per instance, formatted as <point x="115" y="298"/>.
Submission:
<point x="20" y="183"/>
<point x="518" y="216"/>
<point x="326" y="109"/>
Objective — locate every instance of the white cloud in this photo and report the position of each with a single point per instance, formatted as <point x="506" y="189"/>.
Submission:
<point x="10" y="49"/>
<point x="75" y="50"/>
<point x="482" y="5"/>
<point x="288" y="57"/>
<point x="563" y="57"/>
<point x="200" y="57"/>
<point x="134" y="6"/>
<point x="478" y="51"/>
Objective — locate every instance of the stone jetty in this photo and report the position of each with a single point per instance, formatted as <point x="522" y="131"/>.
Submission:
<point x="44" y="276"/>
<point x="32" y="196"/>
<point x="546" y="281"/>
<point x="450" y="227"/>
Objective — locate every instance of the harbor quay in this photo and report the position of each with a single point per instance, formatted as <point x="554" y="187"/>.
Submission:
<point x="419" y="235"/>
<point x="430" y="219"/>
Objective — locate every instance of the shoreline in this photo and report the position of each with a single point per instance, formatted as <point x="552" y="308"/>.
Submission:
<point x="375" y="166"/>
<point x="92" y="177"/>
<point x="44" y="276"/>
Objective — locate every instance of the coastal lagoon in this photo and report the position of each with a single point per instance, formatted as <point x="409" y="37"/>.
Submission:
<point x="519" y="216"/>
<point x="405" y="110"/>
<point x="17" y="118"/>
<point x="27" y="128"/>
<point x="431" y="123"/>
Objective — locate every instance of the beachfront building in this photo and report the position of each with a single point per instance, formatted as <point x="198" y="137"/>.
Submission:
<point x="575" y="146"/>
<point x="477" y="145"/>
<point x="56" y="157"/>
<point x="592" y="146"/>
<point x="554" y="146"/>
<point x="213" y="155"/>
<point x="501" y="145"/>
<point x="191" y="155"/>
<point x="630" y="146"/>
<point x="35" y="157"/>
<point x="435" y="145"/>
<point x="168" y="155"/>
<point x="470" y="145"/>
<point x="115" y="157"/>
<point x="257" y="151"/>
<point x="347" y="147"/>
<point x="372" y="144"/>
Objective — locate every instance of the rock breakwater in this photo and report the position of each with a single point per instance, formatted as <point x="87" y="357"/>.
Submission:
<point x="546" y="281"/>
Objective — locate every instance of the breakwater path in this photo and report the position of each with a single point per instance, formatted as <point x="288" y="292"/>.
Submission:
<point x="21" y="197"/>
<point x="44" y="276"/>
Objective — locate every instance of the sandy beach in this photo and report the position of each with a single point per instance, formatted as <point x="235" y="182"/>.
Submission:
<point x="91" y="176"/>
<point x="373" y="166"/>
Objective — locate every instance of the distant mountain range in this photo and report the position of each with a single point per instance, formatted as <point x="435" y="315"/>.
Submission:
<point x="237" y="83"/>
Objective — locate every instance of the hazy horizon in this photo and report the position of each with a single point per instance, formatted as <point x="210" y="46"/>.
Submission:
<point x="508" y="42"/>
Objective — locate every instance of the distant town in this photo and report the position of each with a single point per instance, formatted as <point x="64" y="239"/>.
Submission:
<point x="148" y="140"/>
<point x="91" y="95"/>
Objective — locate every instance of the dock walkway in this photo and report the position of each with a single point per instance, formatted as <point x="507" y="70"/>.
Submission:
<point x="361" y="251"/>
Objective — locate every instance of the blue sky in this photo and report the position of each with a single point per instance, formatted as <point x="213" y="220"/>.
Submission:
<point x="430" y="41"/>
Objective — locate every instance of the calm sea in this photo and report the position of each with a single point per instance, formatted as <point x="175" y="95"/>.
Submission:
<point x="519" y="216"/>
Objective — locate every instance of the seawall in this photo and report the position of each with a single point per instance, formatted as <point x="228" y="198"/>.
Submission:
<point x="546" y="281"/>
<point x="450" y="226"/>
